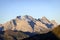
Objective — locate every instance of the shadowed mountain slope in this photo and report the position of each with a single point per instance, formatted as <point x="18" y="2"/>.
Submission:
<point x="12" y="35"/>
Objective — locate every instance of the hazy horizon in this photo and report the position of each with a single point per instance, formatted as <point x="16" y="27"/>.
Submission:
<point x="9" y="9"/>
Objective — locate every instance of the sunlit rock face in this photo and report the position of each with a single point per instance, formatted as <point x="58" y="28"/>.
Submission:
<point x="9" y="25"/>
<point x="23" y="26"/>
<point x="40" y="27"/>
<point x="54" y="23"/>
<point x="29" y="24"/>
<point x="50" y="24"/>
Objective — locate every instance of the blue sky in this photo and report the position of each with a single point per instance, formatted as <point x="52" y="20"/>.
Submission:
<point x="9" y="9"/>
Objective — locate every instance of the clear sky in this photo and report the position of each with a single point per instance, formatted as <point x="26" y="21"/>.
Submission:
<point x="9" y="9"/>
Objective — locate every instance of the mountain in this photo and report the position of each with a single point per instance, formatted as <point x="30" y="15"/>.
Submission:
<point x="28" y="28"/>
<point x="27" y="23"/>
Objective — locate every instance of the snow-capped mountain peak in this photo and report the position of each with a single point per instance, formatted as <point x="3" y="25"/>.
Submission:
<point x="29" y="24"/>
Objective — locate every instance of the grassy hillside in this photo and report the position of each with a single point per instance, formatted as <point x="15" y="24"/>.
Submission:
<point x="56" y="31"/>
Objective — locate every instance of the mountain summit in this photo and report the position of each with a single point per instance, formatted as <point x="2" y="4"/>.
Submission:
<point x="29" y="24"/>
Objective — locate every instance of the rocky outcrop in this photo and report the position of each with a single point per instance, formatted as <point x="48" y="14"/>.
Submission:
<point x="40" y="28"/>
<point x="54" y="23"/>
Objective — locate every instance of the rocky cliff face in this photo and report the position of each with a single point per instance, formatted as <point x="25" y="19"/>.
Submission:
<point x="1" y="27"/>
<point x="29" y="24"/>
<point x="54" y="22"/>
